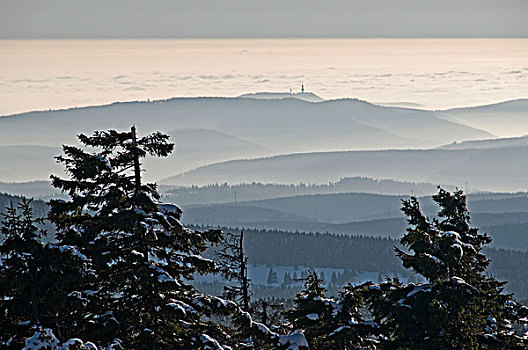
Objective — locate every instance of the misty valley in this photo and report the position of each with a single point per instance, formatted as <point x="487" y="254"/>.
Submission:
<point x="299" y="213"/>
<point x="263" y="175"/>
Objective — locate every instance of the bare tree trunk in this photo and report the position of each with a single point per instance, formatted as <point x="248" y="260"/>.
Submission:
<point x="34" y="305"/>
<point x="264" y="313"/>
<point x="243" y="274"/>
<point x="137" y="170"/>
<point x="137" y="179"/>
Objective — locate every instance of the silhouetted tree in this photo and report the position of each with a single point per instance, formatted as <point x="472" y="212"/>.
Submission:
<point x="232" y="263"/>
<point x="272" y="277"/>
<point x="460" y="306"/>
<point x="142" y="254"/>
<point x="37" y="280"/>
<point x="329" y="323"/>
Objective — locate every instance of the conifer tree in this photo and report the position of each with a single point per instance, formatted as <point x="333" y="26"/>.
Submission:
<point x="286" y="280"/>
<point x="333" y="279"/>
<point x="460" y="306"/>
<point x="329" y="323"/>
<point x="142" y="254"/>
<point x="272" y="277"/>
<point x="37" y="280"/>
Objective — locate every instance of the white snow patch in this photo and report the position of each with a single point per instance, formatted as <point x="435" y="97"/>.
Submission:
<point x="170" y="208"/>
<point x="434" y="258"/>
<point x="210" y="343"/>
<point x="419" y="288"/>
<point x="135" y="252"/>
<point x="182" y="307"/>
<point x="313" y="317"/>
<point x="453" y="234"/>
<point x="70" y="249"/>
<point x="337" y="330"/>
<point x="41" y="340"/>
<point x="295" y="340"/>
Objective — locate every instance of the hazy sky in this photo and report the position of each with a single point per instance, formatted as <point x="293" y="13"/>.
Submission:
<point x="262" y="18"/>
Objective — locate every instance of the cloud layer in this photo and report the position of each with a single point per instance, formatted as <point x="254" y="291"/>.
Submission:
<point x="436" y="74"/>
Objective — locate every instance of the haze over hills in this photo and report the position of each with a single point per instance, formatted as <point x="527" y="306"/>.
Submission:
<point x="220" y="129"/>
<point x="342" y="208"/>
<point x="167" y="180"/>
<point x="195" y="147"/>
<point x="504" y="217"/>
<point x="32" y="189"/>
<point x="227" y="193"/>
<point x="405" y="122"/>
<point x="505" y="119"/>
<point x="494" y="169"/>
<point x="488" y="143"/>
<point x="21" y="163"/>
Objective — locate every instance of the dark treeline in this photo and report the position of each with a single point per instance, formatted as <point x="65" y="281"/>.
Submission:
<point x="509" y="236"/>
<point x="225" y="193"/>
<point x="33" y="189"/>
<point x="361" y="253"/>
<point x="40" y="209"/>
<point x="272" y="247"/>
<point x="510" y="265"/>
<point x="508" y="230"/>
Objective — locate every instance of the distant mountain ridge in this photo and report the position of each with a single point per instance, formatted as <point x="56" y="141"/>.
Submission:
<point x="503" y="216"/>
<point x="210" y="130"/>
<point x="226" y="193"/>
<point x="520" y="141"/>
<point x="304" y="96"/>
<point x="504" y="119"/>
<point x="520" y="104"/>
<point x="492" y="169"/>
<point x="20" y="163"/>
<point x="405" y="122"/>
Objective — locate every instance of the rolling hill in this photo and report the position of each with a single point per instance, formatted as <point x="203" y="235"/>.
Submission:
<point x="21" y="163"/>
<point x="304" y="96"/>
<point x="504" y="219"/>
<point x="405" y="122"/>
<point x="488" y="143"/>
<point x="505" y="119"/>
<point x="495" y="169"/>
<point x="32" y="189"/>
<point x="208" y="130"/>
<point x="226" y="193"/>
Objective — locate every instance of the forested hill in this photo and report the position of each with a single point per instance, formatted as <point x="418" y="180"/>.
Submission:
<point x="228" y="193"/>
<point x="40" y="208"/>
<point x="211" y="130"/>
<point x="490" y="169"/>
<point x="504" y="216"/>
<point x="361" y="253"/>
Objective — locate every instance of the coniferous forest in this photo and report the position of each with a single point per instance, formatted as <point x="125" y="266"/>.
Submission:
<point x="119" y="273"/>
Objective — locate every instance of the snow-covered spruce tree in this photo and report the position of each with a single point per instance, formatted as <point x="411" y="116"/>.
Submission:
<point x="329" y="323"/>
<point x="232" y="263"/>
<point x="460" y="306"/>
<point x="45" y="339"/>
<point x="37" y="280"/>
<point x="142" y="254"/>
